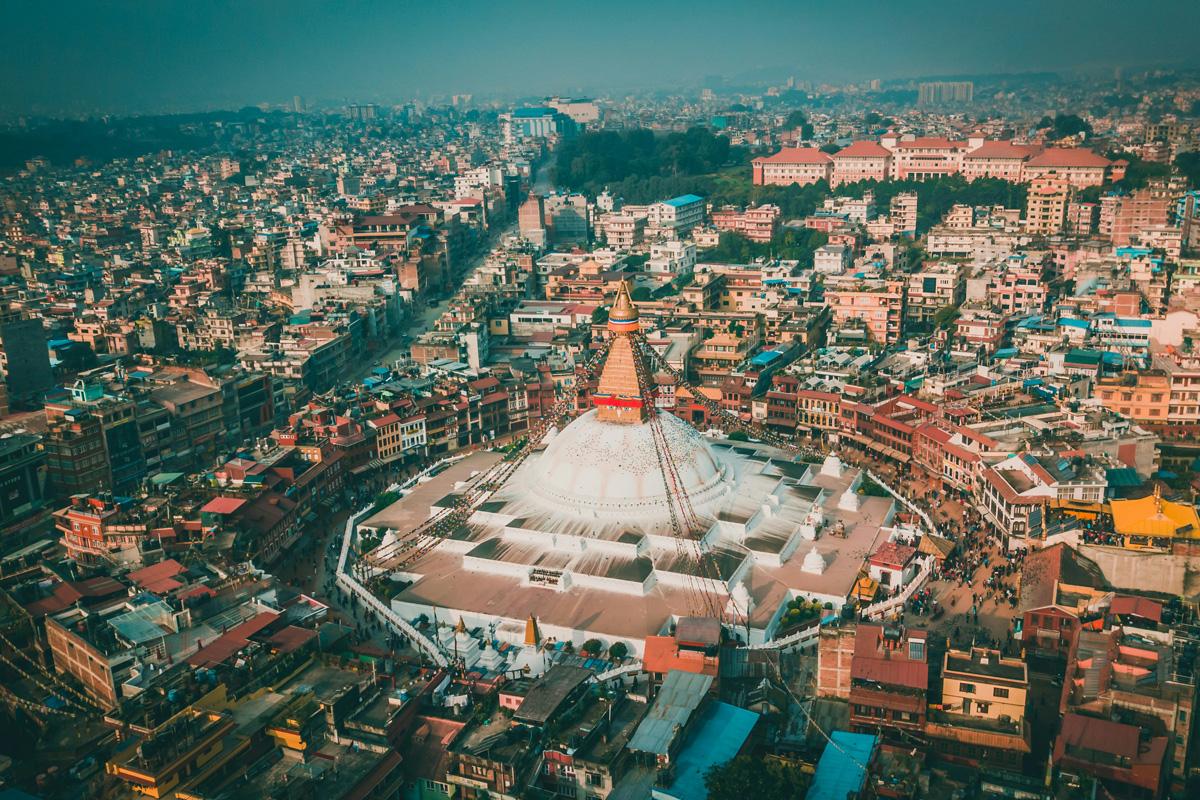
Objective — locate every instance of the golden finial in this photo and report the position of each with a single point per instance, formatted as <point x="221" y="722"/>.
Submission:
<point x="623" y="309"/>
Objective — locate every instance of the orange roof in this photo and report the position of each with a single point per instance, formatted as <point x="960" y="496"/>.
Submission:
<point x="863" y="149"/>
<point x="1068" y="157"/>
<point x="158" y="578"/>
<point x="1001" y="150"/>
<point x="796" y="155"/>
<point x="662" y="654"/>
<point x="928" y="143"/>
<point x="222" y="505"/>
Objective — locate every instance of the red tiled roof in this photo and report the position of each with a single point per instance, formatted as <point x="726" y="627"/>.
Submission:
<point x="427" y="754"/>
<point x="796" y="155"/>
<point x="1137" y="606"/>
<point x="887" y="666"/>
<point x="863" y="149"/>
<point x="158" y="578"/>
<point x="891" y="554"/>
<point x="662" y="654"/>
<point x="290" y="638"/>
<point x="1101" y="735"/>
<point x="929" y="142"/>
<point x="222" y="505"/>
<point x="1068" y="157"/>
<point x="101" y="586"/>
<point x="231" y="641"/>
<point x="909" y="674"/>
<point x="1002" y="150"/>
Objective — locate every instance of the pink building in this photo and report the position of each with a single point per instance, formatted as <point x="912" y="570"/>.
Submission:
<point x="1078" y="166"/>
<point x="981" y="328"/>
<point x="924" y="157"/>
<point x="756" y="224"/>
<point x="861" y="161"/>
<point x="878" y="304"/>
<point x="800" y="165"/>
<point x="1018" y="287"/>
<point x="1003" y="160"/>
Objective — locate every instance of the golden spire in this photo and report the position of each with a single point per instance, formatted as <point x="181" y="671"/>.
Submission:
<point x="624" y="313"/>
<point x="620" y="396"/>
<point x="461" y="627"/>
<point x="532" y="635"/>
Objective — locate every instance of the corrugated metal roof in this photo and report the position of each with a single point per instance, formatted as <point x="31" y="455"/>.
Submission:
<point x="678" y="698"/>
<point x="719" y="736"/>
<point x="841" y="772"/>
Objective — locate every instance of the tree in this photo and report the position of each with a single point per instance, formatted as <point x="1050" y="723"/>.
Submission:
<point x="596" y="159"/>
<point x="618" y="651"/>
<point x="798" y="119"/>
<point x="78" y="357"/>
<point x="385" y="499"/>
<point x="1139" y="172"/>
<point x="738" y="436"/>
<point x="600" y="316"/>
<point x="640" y="295"/>
<point x="760" y="779"/>
<point x="1070" y="125"/>
<point x="796" y="244"/>
<point x="1189" y="165"/>
<point x="944" y="316"/>
<point x="592" y="647"/>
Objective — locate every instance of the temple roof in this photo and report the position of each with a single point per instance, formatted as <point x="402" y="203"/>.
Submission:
<point x="1154" y="516"/>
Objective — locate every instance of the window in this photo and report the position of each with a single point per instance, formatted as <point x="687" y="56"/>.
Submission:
<point x="967" y="688"/>
<point x="999" y="692"/>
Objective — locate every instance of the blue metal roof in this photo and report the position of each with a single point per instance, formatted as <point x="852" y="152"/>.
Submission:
<point x="684" y="200"/>
<point x="533" y="111"/>
<point x="720" y="732"/>
<point x="765" y="357"/>
<point x="841" y="772"/>
<point x="1122" y="478"/>
<point x="1071" y="322"/>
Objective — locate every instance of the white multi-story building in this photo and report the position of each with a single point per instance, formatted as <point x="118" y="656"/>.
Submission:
<point x="832" y="259"/>
<point x="675" y="218"/>
<point x="672" y="258"/>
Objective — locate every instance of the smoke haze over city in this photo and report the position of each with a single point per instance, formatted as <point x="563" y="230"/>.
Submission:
<point x="83" y="57"/>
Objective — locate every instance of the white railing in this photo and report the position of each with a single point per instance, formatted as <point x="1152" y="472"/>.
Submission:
<point x="885" y="607"/>
<point x="617" y="672"/>
<point x="800" y="638"/>
<point x="352" y="585"/>
<point x="909" y="504"/>
<point x="806" y="636"/>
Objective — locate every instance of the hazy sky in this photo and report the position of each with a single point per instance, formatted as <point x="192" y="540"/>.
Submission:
<point x="162" y="54"/>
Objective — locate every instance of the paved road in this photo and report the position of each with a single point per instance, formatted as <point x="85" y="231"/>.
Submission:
<point x="422" y="319"/>
<point x="425" y="316"/>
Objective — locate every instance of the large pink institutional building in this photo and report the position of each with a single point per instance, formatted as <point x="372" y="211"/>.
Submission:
<point x="896" y="157"/>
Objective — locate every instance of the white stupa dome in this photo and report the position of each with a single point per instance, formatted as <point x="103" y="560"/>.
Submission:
<point x="607" y="470"/>
<point x="814" y="562"/>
